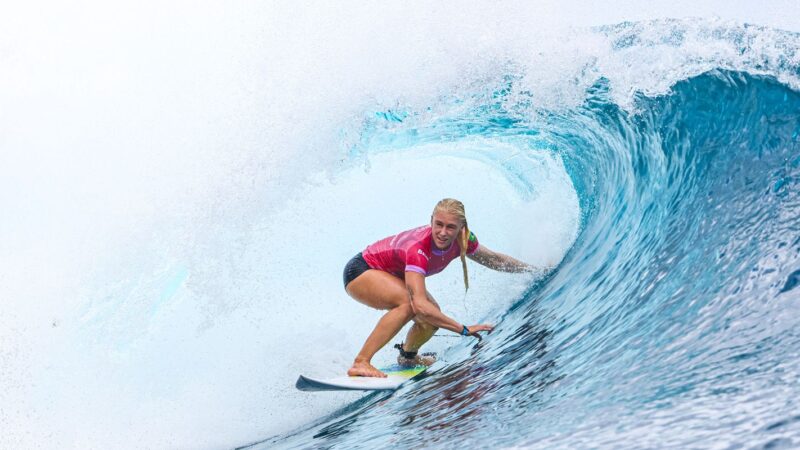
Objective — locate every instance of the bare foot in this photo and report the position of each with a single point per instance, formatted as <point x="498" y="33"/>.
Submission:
<point x="364" y="369"/>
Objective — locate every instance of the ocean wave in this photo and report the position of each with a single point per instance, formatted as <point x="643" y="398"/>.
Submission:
<point x="677" y="304"/>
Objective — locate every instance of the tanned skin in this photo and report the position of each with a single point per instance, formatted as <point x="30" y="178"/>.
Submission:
<point x="408" y="299"/>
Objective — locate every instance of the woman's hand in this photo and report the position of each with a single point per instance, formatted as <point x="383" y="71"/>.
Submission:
<point x="474" y="329"/>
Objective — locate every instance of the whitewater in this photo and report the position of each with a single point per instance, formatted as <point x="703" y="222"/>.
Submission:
<point x="181" y="185"/>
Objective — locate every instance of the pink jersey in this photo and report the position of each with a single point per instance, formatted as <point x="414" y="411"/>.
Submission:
<point x="413" y="251"/>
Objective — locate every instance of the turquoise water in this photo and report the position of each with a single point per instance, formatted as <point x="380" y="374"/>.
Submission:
<point x="182" y="186"/>
<point x="673" y="320"/>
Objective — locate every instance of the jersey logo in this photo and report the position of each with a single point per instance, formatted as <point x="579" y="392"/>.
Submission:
<point x="423" y="254"/>
<point x="472" y="237"/>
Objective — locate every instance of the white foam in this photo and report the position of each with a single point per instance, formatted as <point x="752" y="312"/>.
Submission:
<point x="147" y="152"/>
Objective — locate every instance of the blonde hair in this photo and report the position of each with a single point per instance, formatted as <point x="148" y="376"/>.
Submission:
<point x="456" y="208"/>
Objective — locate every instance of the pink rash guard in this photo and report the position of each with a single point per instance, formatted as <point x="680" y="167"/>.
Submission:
<point x="413" y="251"/>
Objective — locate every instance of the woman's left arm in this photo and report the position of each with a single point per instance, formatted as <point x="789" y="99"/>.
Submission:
<point x="499" y="261"/>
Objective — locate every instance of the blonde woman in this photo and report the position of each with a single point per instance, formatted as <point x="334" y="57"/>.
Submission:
<point x="390" y="275"/>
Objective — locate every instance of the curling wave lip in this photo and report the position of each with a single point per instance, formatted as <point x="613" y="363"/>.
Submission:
<point x="668" y="206"/>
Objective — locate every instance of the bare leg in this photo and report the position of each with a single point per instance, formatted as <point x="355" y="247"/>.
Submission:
<point x="379" y="290"/>
<point x="418" y="335"/>
<point x="387" y="328"/>
<point x="421" y="332"/>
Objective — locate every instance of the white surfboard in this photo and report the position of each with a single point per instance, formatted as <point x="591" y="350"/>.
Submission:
<point x="397" y="375"/>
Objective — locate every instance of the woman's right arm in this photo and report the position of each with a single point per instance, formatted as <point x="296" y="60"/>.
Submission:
<point x="426" y="311"/>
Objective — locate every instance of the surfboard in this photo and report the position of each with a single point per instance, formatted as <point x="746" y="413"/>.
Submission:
<point x="397" y="376"/>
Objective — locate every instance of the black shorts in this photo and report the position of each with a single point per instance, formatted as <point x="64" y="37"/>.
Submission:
<point x="355" y="267"/>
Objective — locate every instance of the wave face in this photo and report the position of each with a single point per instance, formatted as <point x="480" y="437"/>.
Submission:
<point x="673" y="319"/>
<point x="181" y="188"/>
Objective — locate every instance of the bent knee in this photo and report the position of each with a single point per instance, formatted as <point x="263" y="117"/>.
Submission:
<point x="407" y="310"/>
<point x="425" y="325"/>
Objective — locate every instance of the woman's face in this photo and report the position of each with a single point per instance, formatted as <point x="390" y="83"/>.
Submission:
<point x="445" y="227"/>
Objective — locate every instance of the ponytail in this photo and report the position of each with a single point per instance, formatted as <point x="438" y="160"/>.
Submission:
<point x="455" y="207"/>
<point x="464" y="241"/>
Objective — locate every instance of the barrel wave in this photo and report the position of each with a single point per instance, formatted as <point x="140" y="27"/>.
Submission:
<point x="676" y="308"/>
<point x="182" y="187"/>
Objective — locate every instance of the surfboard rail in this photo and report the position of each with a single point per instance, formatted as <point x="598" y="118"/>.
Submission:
<point x="397" y="376"/>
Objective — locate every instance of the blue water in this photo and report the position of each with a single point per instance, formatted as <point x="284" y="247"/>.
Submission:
<point x="674" y="319"/>
<point x="180" y="191"/>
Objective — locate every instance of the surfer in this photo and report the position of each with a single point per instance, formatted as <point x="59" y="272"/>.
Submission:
<point x="390" y="275"/>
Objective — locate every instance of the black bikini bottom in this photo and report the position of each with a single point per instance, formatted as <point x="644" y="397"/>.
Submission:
<point x="355" y="267"/>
